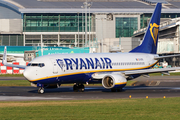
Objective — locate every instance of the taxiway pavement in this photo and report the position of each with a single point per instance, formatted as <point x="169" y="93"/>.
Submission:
<point x="154" y="87"/>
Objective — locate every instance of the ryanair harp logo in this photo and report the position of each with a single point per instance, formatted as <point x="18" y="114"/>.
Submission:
<point x="60" y="63"/>
<point x="154" y="28"/>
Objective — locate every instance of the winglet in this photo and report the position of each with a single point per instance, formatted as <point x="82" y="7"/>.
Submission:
<point x="4" y="61"/>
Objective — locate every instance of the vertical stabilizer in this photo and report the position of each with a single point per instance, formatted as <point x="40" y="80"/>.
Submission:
<point x="150" y="40"/>
<point x="4" y="61"/>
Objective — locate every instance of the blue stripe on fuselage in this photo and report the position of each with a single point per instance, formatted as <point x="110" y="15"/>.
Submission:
<point x="77" y="78"/>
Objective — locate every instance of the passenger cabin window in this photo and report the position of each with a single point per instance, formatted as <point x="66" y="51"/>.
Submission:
<point x="36" y="64"/>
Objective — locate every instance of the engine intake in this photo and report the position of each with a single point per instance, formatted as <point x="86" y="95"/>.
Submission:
<point x="113" y="81"/>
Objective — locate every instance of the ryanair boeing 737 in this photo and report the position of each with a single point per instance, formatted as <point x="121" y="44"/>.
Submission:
<point x="111" y="69"/>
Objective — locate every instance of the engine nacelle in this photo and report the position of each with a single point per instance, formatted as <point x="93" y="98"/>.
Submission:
<point x="113" y="81"/>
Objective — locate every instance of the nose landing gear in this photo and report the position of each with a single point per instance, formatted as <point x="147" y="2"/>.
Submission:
<point x="78" y="87"/>
<point x="41" y="90"/>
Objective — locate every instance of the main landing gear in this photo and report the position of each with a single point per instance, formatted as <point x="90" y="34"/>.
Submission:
<point x="78" y="87"/>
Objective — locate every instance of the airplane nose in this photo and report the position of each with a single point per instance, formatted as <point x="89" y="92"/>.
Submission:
<point x="27" y="74"/>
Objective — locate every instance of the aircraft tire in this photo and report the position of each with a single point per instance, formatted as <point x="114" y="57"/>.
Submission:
<point x="75" y="88"/>
<point x="41" y="90"/>
<point x="81" y="88"/>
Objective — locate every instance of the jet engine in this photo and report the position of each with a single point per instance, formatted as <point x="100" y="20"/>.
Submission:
<point x="114" y="81"/>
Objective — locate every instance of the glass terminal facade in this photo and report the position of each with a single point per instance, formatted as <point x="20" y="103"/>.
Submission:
<point x="145" y="17"/>
<point x="54" y="23"/>
<point x="70" y="26"/>
<point x="11" y="39"/>
<point x="125" y="26"/>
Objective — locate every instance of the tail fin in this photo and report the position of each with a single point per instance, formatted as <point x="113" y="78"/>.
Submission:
<point x="150" y="40"/>
<point x="4" y="61"/>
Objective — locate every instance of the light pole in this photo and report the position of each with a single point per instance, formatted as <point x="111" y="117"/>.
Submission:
<point x="82" y="27"/>
<point x="78" y="29"/>
<point x="85" y="5"/>
<point x="89" y="5"/>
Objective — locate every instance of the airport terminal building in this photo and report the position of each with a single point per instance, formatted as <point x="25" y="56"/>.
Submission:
<point x="110" y="23"/>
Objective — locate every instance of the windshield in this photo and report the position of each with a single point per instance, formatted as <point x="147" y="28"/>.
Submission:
<point x="36" y="64"/>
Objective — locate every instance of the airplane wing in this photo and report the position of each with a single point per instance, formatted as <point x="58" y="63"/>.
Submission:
<point x="133" y="72"/>
<point x="147" y="71"/>
<point x="4" y="61"/>
<point x="167" y="56"/>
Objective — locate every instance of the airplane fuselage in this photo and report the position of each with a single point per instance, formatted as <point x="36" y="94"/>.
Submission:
<point x="78" y="68"/>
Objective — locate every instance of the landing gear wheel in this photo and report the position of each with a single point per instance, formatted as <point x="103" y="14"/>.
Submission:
<point x="78" y="87"/>
<point x="75" y="88"/>
<point x="41" y="90"/>
<point x="81" y="88"/>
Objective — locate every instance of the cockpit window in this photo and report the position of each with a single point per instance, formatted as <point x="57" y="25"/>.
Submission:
<point x="29" y="64"/>
<point x="41" y="65"/>
<point x="36" y="64"/>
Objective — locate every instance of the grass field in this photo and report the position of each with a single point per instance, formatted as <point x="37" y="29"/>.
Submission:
<point x="106" y="109"/>
<point x="11" y="75"/>
<point x="14" y="83"/>
<point x="116" y="109"/>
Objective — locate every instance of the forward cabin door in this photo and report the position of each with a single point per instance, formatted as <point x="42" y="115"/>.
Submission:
<point x="55" y="66"/>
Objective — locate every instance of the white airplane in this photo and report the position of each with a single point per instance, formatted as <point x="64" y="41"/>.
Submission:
<point x="111" y="69"/>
